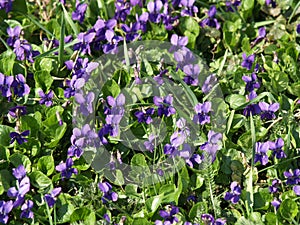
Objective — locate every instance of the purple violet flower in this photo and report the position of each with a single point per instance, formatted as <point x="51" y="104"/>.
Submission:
<point x="211" y="21"/>
<point x="17" y="111"/>
<point x="14" y="34"/>
<point x="122" y="10"/>
<point x="274" y="187"/>
<point x="293" y="177"/>
<point x="272" y="2"/>
<point x="7" y="5"/>
<point x="276" y="203"/>
<point x="188" y="8"/>
<point x="51" y="198"/>
<point x="23" y="187"/>
<point x="19" y="137"/>
<point x="145" y="116"/>
<point x="202" y="117"/>
<point x="248" y="61"/>
<point x="113" y="40"/>
<point x="232" y="6"/>
<point x="131" y="31"/>
<point x="178" y="42"/>
<point x="234" y="195"/>
<point x="209" y="83"/>
<point x="19" y="86"/>
<point x="276" y="147"/>
<point x="26" y="210"/>
<point x="85" y="41"/>
<point x="261" y="35"/>
<point x="168" y="216"/>
<point x="73" y="85"/>
<point x="296" y="189"/>
<point x="150" y="144"/>
<point x="154" y="8"/>
<point x="251" y="108"/>
<point x="212" y="145"/>
<point x="46" y="98"/>
<point x="261" y="152"/>
<point x="298" y="28"/>
<point x="268" y="111"/>
<point x="192" y="72"/>
<point x="79" y="12"/>
<point x="108" y="194"/>
<point x="207" y="219"/>
<point x="5" y="85"/>
<point x="19" y="172"/>
<point x="251" y="82"/>
<point x="165" y="105"/>
<point x="86" y="102"/>
<point x="5" y="209"/>
<point x="66" y="169"/>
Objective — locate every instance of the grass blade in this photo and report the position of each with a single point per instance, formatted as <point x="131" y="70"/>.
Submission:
<point x="56" y="49"/>
<point x="230" y="119"/>
<point x="70" y="21"/>
<point x="61" y="41"/>
<point x="39" y="24"/>
<point x="293" y="13"/>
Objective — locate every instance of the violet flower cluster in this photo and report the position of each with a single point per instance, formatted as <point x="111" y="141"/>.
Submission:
<point x="66" y="169"/>
<point x="266" y="111"/>
<point x="211" y="21"/>
<point x="52" y="197"/>
<point x="108" y="194"/>
<point x="81" y="139"/>
<point x="169" y="216"/>
<point x="13" y="85"/>
<point x="22" y="48"/>
<point x="185" y="59"/>
<point x="293" y="178"/>
<point x="18" y="193"/>
<point x="6" y="4"/>
<point x="114" y="112"/>
<point x="234" y="194"/>
<point x="262" y="148"/>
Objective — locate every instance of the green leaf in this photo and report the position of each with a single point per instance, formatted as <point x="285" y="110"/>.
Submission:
<point x="168" y="191"/>
<point x="4" y="157"/>
<point x="279" y="81"/>
<point x="271" y="218"/>
<point x="288" y="209"/>
<point x="7" y="62"/>
<point x="111" y="88"/>
<point x="140" y="221"/>
<point x="131" y="190"/>
<point x="5" y="180"/>
<point x="39" y="180"/>
<point x="46" y="165"/>
<point x="138" y="160"/>
<point x="4" y="134"/>
<point x="118" y="178"/>
<point x="83" y="214"/>
<point x="153" y="203"/>
<point x="43" y="79"/>
<point x="190" y="28"/>
<point x="19" y="6"/>
<point x="198" y="209"/>
<point x="19" y="159"/>
<point x="236" y="100"/>
<point x="262" y="199"/>
<point x="64" y="208"/>
<point x="30" y="123"/>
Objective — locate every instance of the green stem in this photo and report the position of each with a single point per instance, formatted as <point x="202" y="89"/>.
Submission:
<point x="49" y="214"/>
